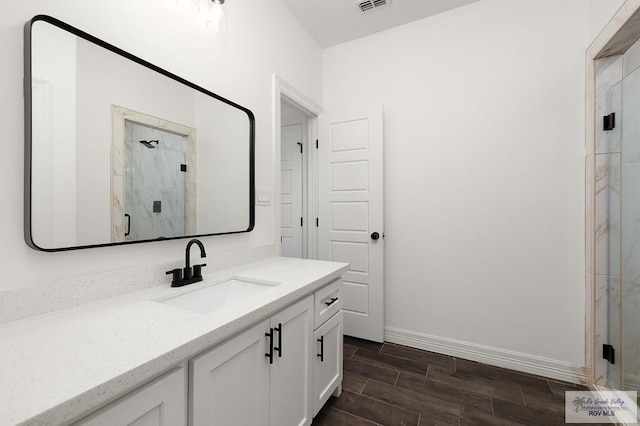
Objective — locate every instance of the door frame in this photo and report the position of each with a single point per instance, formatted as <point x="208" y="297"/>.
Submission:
<point x="283" y="90"/>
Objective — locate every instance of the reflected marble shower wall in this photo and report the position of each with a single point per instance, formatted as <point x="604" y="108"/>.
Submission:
<point x="153" y="175"/>
<point x="609" y="74"/>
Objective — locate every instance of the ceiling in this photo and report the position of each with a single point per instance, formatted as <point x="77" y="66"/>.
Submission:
<point x="333" y="22"/>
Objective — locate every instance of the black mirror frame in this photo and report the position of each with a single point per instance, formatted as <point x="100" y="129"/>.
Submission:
<point x="28" y="236"/>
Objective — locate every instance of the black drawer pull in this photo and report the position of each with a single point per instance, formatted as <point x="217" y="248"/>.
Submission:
<point x="279" y="348"/>
<point x="333" y="300"/>
<point x="321" y="354"/>
<point x="270" y="354"/>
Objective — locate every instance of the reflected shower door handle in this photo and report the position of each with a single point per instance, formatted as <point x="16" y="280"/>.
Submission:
<point x="128" y="231"/>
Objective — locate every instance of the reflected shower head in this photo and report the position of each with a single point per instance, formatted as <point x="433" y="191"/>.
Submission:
<point x="148" y="144"/>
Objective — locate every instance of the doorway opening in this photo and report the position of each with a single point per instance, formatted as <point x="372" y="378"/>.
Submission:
<point x="294" y="150"/>
<point x="295" y="186"/>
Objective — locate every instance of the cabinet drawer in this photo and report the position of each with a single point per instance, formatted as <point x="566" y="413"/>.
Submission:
<point x="327" y="302"/>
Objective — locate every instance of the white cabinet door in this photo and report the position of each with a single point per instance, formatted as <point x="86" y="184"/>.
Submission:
<point x="291" y="371"/>
<point x="160" y="403"/>
<point x="230" y="383"/>
<point x="327" y="369"/>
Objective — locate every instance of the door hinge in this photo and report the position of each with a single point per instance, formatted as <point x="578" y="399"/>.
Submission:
<point x="300" y="143"/>
<point x="316" y="143"/>
<point x="183" y="167"/>
<point x="609" y="353"/>
<point x="317" y="222"/>
<point x="301" y="222"/>
<point x="609" y="121"/>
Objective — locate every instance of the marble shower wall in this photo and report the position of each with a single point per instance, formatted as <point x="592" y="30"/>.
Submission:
<point x="609" y="74"/>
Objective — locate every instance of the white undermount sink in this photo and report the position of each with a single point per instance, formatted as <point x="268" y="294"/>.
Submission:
<point x="225" y="293"/>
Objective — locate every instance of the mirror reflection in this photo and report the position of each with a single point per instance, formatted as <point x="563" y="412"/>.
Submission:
<point x="122" y="151"/>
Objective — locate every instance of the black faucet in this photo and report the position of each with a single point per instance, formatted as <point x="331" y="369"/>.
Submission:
<point x="188" y="275"/>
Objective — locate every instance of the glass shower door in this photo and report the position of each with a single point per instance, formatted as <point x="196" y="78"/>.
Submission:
<point x="629" y="297"/>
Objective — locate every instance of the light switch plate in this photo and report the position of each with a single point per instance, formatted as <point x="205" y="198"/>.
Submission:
<point x="263" y="197"/>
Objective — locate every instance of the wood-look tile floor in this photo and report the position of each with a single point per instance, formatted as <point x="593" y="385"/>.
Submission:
<point x="388" y="384"/>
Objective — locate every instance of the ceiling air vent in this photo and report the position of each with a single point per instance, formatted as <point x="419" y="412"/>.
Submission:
<point x="367" y="5"/>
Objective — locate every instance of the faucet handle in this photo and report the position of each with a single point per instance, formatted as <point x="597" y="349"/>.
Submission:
<point x="197" y="269"/>
<point x="177" y="274"/>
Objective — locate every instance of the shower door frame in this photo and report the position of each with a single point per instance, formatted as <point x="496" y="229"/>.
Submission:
<point x="119" y="116"/>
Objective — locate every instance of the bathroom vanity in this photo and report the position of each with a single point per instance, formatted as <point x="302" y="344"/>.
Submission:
<point x="257" y="344"/>
<point x="272" y="356"/>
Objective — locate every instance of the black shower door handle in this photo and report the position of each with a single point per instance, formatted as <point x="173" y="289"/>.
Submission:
<point x="128" y="231"/>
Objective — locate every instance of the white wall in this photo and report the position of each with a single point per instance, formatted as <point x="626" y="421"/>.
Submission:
<point x="484" y="170"/>
<point x="53" y="137"/>
<point x="262" y="38"/>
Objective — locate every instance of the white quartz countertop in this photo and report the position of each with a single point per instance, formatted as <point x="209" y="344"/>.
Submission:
<point x="60" y="365"/>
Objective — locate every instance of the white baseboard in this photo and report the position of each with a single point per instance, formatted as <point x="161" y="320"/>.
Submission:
<point x="518" y="361"/>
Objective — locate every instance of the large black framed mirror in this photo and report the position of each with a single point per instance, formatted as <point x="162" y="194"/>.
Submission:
<point x="120" y="151"/>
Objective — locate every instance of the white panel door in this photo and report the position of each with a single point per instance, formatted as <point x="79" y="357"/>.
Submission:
<point x="291" y="191"/>
<point x="350" y="166"/>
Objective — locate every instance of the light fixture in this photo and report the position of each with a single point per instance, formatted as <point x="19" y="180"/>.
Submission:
<point x="217" y="19"/>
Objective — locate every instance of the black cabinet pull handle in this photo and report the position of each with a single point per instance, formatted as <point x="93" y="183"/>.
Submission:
<point x="128" y="231"/>
<point x="321" y="354"/>
<point x="333" y="300"/>
<point x="279" y="348"/>
<point x="270" y="354"/>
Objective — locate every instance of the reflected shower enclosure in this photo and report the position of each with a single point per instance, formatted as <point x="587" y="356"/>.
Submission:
<point x="155" y="184"/>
